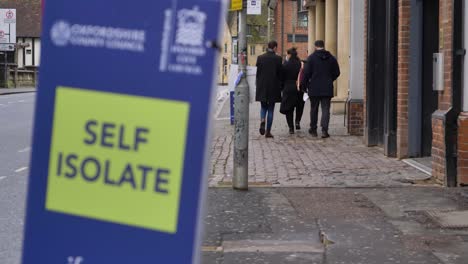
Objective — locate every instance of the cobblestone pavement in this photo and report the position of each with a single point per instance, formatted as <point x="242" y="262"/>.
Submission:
<point x="302" y="161"/>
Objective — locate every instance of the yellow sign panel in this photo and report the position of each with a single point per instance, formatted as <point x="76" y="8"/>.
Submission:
<point x="236" y="5"/>
<point x="117" y="158"/>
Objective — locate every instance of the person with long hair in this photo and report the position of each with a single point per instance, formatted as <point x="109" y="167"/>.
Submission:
<point x="292" y="98"/>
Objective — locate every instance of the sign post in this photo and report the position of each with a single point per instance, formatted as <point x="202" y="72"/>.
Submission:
<point x="240" y="179"/>
<point x="236" y="5"/>
<point x="120" y="145"/>
<point x="254" y="7"/>
<point x="7" y="29"/>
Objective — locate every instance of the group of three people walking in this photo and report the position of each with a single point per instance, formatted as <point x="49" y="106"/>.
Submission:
<point x="286" y="83"/>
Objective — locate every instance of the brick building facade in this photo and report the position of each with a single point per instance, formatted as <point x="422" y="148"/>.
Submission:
<point x="408" y="118"/>
<point x="286" y="31"/>
<point x="391" y="100"/>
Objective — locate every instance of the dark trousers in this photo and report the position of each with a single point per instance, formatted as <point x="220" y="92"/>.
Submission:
<point x="290" y="115"/>
<point x="314" y="108"/>
<point x="299" y="110"/>
<point x="290" y="118"/>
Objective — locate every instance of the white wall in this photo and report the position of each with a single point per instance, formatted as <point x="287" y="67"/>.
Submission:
<point x="37" y="52"/>
<point x="26" y="55"/>
<point x="357" y="50"/>
<point x="29" y="56"/>
<point x="20" y="55"/>
<point x="465" y="63"/>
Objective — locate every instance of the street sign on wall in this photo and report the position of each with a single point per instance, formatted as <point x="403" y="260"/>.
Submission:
<point x="254" y="7"/>
<point x="7" y="26"/>
<point x="118" y="169"/>
<point x="7" y="47"/>
<point x="236" y="5"/>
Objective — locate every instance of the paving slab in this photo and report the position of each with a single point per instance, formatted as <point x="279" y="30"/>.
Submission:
<point x="398" y="202"/>
<point x="377" y="225"/>
<point x="452" y="253"/>
<point x="332" y="226"/>
<point x="370" y="241"/>
<point x="450" y="219"/>
<point x="255" y="226"/>
<point x="272" y="246"/>
<point x="272" y="258"/>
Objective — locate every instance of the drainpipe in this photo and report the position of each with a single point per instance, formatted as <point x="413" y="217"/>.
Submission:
<point x="282" y="28"/>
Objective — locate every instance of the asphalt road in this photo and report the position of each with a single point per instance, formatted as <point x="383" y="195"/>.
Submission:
<point x="16" y="123"/>
<point x="16" y="112"/>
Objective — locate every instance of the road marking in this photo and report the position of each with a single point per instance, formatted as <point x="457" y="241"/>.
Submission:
<point x="2" y="177"/>
<point x="24" y="150"/>
<point x="21" y="101"/>
<point x="21" y="169"/>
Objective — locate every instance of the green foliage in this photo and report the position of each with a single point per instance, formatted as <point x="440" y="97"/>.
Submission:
<point x="257" y="25"/>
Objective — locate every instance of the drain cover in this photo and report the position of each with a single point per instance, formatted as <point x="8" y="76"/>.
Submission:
<point x="450" y="219"/>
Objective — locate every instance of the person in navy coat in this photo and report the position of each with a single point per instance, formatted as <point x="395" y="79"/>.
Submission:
<point x="320" y="71"/>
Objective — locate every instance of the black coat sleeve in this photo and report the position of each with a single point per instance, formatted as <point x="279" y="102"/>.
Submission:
<point x="259" y="66"/>
<point x="336" y="69"/>
<point x="308" y="71"/>
<point x="279" y="71"/>
<point x="283" y="75"/>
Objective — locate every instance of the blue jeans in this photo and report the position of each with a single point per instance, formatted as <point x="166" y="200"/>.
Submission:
<point x="267" y="112"/>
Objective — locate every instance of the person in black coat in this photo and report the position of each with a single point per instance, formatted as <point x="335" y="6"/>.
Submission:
<point x="320" y="71"/>
<point x="292" y="98"/>
<point x="268" y="82"/>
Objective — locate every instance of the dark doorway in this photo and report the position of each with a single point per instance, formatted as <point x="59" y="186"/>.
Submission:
<point x="430" y="45"/>
<point x="381" y="76"/>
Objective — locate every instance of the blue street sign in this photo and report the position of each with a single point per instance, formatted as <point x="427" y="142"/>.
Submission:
<point x="120" y="147"/>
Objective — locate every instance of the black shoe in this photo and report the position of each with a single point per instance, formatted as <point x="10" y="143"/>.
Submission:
<point x="268" y="135"/>
<point x="313" y="132"/>
<point x="291" y="130"/>
<point x="262" y="128"/>
<point x="325" y="134"/>
<point x="298" y="126"/>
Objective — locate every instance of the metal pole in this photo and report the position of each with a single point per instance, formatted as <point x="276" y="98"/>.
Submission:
<point x="294" y="22"/>
<point x="241" y="113"/>
<point x="6" y="70"/>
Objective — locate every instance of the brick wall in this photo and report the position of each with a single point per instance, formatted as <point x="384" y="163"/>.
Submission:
<point x="288" y="20"/>
<point x="446" y="29"/>
<point x="438" y="146"/>
<point x="355" y="117"/>
<point x="445" y="97"/>
<point x="404" y="13"/>
<point x="463" y="150"/>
